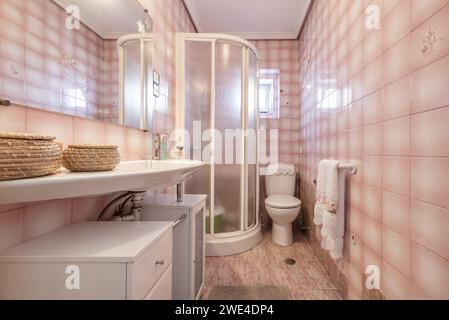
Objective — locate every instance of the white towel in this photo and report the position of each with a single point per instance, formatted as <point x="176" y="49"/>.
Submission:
<point x="321" y="193"/>
<point x="334" y="217"/>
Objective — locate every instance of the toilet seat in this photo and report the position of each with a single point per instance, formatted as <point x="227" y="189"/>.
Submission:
<point x="282" y="202"/>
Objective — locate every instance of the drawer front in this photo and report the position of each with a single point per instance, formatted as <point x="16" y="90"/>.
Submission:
<point x="52" y="281"/>
<point x="163" y="288"/>
<point x="143" y="274"/>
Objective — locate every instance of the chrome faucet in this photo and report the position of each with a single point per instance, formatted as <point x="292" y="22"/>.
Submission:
<point x="129" y="210"/>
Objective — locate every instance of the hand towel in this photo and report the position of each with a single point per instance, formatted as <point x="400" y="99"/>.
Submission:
<point x="334" y="216"/>
<point x="321" y="193"/>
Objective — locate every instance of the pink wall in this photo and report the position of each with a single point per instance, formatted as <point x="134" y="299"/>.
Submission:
<point x="284" y="56"/>
<point x="33" y="71"/>
<point x="387" y="108"/>
<point x="20" y="222"/>
<point x="170" y="16"/>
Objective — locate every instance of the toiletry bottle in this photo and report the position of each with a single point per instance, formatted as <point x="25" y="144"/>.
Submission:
<point x="180" y="152"/>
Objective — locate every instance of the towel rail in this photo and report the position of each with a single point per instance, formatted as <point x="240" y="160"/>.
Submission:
<point x="349" y="166"/>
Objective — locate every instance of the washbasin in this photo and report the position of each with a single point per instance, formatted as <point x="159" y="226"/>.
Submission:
<point x="128" y="176"/>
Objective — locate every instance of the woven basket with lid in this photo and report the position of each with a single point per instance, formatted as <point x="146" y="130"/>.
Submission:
<point x="28" y="156"/>
<point x="90" y="157"/>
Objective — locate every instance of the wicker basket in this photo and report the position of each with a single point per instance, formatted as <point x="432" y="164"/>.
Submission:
<point x="90" y="158"/>
<point x="25" y="156"/>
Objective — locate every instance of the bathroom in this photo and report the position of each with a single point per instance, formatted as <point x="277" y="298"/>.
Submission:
<point x="203" y="138"/>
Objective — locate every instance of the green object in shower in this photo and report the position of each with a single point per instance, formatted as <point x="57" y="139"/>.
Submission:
<point x="218" y="221"/>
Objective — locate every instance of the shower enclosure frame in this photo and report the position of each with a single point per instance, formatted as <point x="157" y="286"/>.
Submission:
<point x="225" y="244"/>
<point x="146" y="77"/>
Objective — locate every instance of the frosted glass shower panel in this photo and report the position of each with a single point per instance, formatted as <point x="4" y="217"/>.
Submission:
<point x="251" y="140"/>
<point x="228" y="120"/>
<point x="198" y="68"/>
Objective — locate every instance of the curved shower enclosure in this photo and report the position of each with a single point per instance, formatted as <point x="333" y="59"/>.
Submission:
<point x="136" y="80"/>
<point x="217" y="82"/>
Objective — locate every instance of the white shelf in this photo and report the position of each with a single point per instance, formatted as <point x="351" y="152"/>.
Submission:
<point x="129" y="176"/>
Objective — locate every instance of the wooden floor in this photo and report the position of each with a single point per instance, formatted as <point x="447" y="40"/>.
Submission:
<point x="265" y="265"/>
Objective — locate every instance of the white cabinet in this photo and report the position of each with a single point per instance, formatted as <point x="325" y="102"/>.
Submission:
<point x="188" y="240"/>
<point x="107" y="260"/>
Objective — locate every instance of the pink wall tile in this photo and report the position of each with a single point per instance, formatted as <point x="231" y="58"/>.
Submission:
<point x="429" y="90"/>
<point x="389" y="5"/>
<point x="396" y="250"/>
<point x="46" y="217"/>
<point x="356" y="222"/>
<point x="422" y="10"/>
<point x="115" y="135"/>
<point x="372" y="234"/>
<point x="355" y="115"/>
<point x="417" y="294"/>
<point x="396" y="175"/>
<point x="394" y="284"/>
<point x="136" y="143"/>
<point x="429" y="182"/>
<point x="355" y="142"/>
<point x="42" y="122"/>
<point x="426" y="52"/>
<point x="12" y="119"/>
<point x="429" y="272"/>
<point x="396" y="24"/>
<point x="396" y="137"/>
<point x="355" y="280"/>
<point x="372" y="46"/>
<point x="87" y="209"/>
<point x="372" y="202"/>
<point x="372" y="140"/>
<point x="372" y="171"/>
<point x="396" y="99"/>
<point x="396" y="62"/>
<point x="372" y="108"/>
<point x="356" y="196"/>
<point x="428" y="227"/>
<point x="396" y="212"/>
<point x="430" y="132"/>
<point x="10" y="207"/>
<point x="86" y="131"/>
<point x="371" y="258"/>
<point x="11" y="228"/>
<point x="372" y="77"/>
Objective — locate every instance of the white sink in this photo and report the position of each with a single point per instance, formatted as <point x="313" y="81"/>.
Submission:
<point x="128" y="176"/>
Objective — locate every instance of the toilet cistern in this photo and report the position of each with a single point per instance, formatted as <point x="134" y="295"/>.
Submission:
<point x="282" y="205"/>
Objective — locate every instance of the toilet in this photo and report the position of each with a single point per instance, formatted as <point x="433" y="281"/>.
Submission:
<point x="281" y="204"/>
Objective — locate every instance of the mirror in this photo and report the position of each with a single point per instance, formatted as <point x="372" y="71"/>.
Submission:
<point x="63" y="56"/>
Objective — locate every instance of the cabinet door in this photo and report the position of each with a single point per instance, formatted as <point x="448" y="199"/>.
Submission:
<point x="199" y="252"/>
<point x="163" y="288"/>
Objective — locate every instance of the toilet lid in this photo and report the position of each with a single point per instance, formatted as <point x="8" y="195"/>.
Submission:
<point x="282" y="202"/>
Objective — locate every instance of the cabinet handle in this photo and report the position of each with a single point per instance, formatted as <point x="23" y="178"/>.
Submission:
<point x="180" y="220"/>
<point x="160" y="262"/>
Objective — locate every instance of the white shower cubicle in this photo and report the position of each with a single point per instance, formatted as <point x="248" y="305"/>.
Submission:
<point x="217" y="85"/>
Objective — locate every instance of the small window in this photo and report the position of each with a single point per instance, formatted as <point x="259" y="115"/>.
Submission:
<point x="269" y="93"/>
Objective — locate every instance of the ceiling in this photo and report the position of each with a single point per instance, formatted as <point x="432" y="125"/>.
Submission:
<point x="109" y="19"/>
<point x="250" y="19"/>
